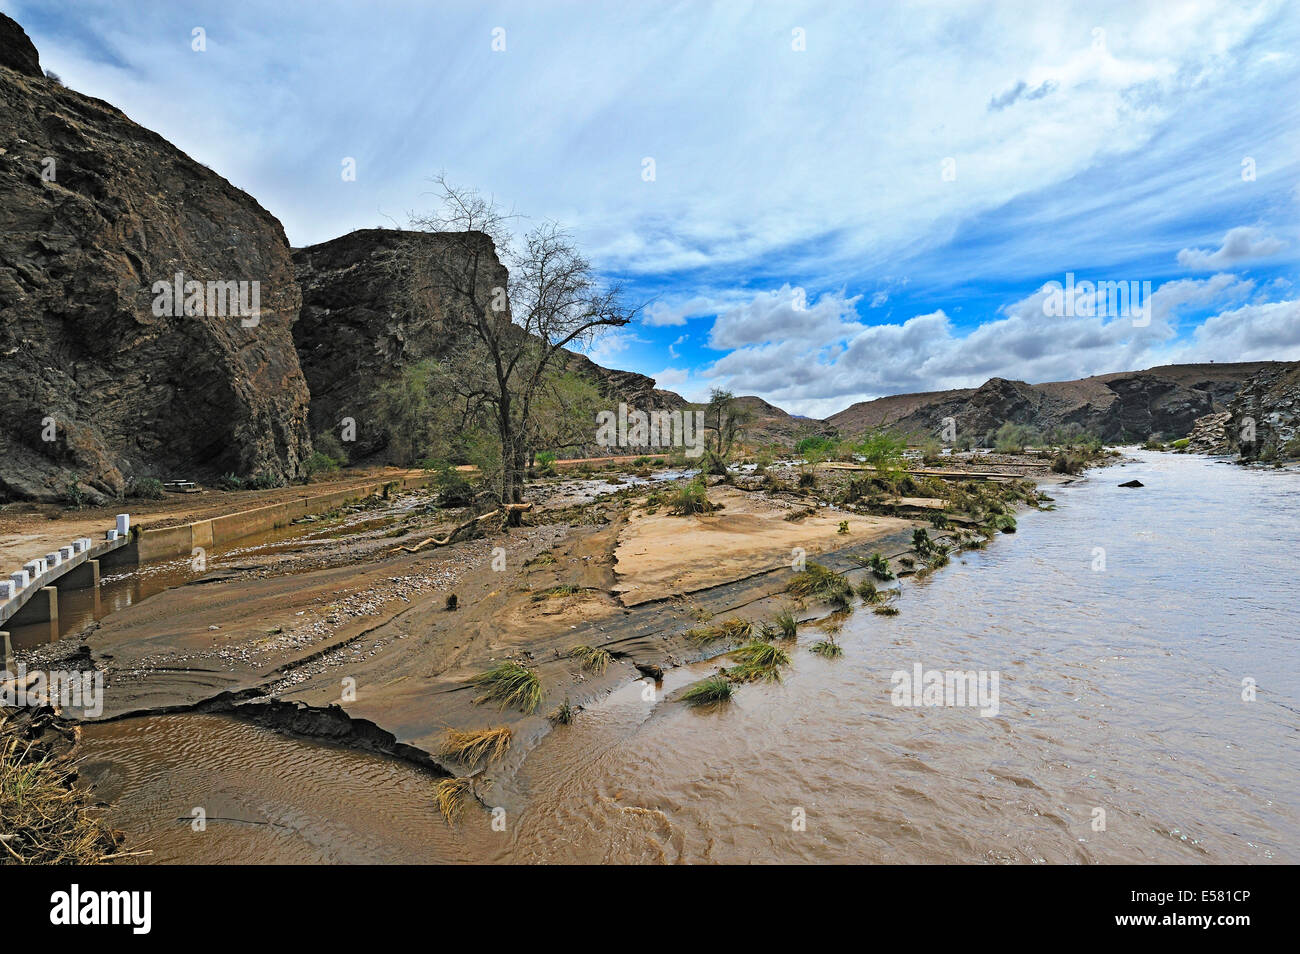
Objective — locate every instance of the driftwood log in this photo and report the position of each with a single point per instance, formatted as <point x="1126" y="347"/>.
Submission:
<point x="509" y="514"/>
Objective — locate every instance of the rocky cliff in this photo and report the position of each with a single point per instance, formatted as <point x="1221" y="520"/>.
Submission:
<point x="1123" y="406"/>
<point x="360" y="323"/>
<point x="1265" y="413"/>
<point x="103" y="379"/>
<point x="360" y="326"/>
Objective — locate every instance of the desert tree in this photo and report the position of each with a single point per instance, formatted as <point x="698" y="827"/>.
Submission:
<point x="725" y="419"/>
<point x="507" y="327"/>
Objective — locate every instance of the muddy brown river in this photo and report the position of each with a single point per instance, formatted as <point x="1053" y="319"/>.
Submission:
<point x="1146" y="647"/>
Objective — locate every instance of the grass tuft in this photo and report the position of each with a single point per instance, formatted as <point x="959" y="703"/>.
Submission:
<point x="471" y="747"/>
<point x="510" y="685"/>
<point x="453" y="796"/>
<point x="827" y="648"/>
<point x="821" y="582"/>
<point x="712" y="691"/>
<point x="563" y="715"/>
<point x="764" y="654"/>
<point x="786" y="625"/>
<point x="564" y="589"/>
<point x="594" y="659"/>
<point x="732" y="630"/>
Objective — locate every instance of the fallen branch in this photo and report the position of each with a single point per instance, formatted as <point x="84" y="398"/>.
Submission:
<point x="506" y="513"/>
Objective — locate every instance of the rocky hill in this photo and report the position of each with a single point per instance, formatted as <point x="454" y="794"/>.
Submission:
<point x="1129" y="405"/>
<point x="359" y="328"/>
<point x="100" y="380"/>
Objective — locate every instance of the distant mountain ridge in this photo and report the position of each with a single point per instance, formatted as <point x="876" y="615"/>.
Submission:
<point x="1123" y="405"/>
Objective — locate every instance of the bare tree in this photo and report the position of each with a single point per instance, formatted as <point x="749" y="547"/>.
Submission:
<point x="509" y="328"/>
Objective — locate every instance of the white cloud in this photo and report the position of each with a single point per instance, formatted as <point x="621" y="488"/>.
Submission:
<point x="835" y="363"/>
<point x="784" y="315"/>
<point x="1239" y="245"/>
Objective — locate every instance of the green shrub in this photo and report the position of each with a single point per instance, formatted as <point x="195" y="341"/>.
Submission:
<point x="319" y="463"/>
<point x="147" y="488"/>
<point x="879" y="566"/>
<point x="689" y="498"/>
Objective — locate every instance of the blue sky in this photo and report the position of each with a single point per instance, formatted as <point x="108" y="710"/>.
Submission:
<point x="804" y="236"/>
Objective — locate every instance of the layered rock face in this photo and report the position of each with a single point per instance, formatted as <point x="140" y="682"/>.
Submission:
<point x="97" y="387"/>
<point x="1210" y="434"/>
<point x="1266" y="415"/>
<point x="1115" y="407"/>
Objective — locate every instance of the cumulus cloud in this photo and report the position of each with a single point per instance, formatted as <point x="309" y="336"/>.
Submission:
<point x="1239" y="245"/>
<point x="847" y="361"/>
<point x="785" y="315"/>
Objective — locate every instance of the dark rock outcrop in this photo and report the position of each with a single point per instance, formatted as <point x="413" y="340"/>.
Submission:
<point x="1266" y="415"/>
<point x="1129" y="405"/>
<point x="360" y="324"/>
<point x="94" y="210"/>
<point x="17" y="51"/>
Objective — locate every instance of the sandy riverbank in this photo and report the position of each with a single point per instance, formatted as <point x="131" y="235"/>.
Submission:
<point x="351" y="634"/>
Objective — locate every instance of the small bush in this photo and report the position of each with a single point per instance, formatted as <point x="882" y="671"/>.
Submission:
<point x="319" y="463"/>
<point x="690" y="498"/>
<point x="147" y="488"/>
<point x="879" y="566"/>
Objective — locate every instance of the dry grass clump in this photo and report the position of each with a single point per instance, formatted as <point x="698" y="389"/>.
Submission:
<point x="44" y="820"/>
<point x="453" y="796"/>
<point x="594" y="659"/>
<point x="821" y="582"/>
<point x="471" y="747"/>
<point x="510" y="685"/>
<point x="731" y="630"/>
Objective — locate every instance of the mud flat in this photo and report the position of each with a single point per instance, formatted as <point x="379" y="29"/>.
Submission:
<point x="347" y="636"/>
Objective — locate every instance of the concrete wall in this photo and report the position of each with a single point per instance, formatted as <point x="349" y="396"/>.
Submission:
<point x="169" y="542"/>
